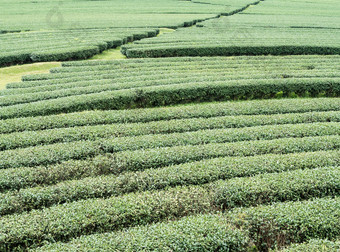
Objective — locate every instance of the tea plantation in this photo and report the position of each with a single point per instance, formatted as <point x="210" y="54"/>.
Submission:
<point x="68" y="30"/>
<point x="235" y="150"/>
<point x="272" y="27"/>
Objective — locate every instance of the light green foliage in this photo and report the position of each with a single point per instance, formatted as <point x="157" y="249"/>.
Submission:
<point x="193" y="172"/>
<point x="33" y="138"/>
<point x="121" y="75"/>
<point x="283" y="223"/>
<point x="202" y="233"/>
<point x="44" y="46"/>
<point x="175" y="94"/>
<point x="245" y="227"/>
<point x="29" y="138"/>
<point x="291" y="185"/>
<point x="66" y="221"/>
<point x="206" y="110"/>
<point x="120" y="84"/>
<point x="48" y="154"/>
<point x="271" y="27"/>
<point x="92" y="158"/>
<point x="67" y="30"/>
<point x="104" y="14"/>
<point x="315" y="245"/>
<point x="295" y="185"/>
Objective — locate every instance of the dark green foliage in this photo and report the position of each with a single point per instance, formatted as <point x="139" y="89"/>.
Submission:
<point x="229" y="51"/>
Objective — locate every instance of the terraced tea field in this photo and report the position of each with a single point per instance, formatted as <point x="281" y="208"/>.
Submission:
<point x="213" y="153"/>
<point x="112" y="169"/>
<point x="65" y="45"/>
<point x="269" y="27"/>
<point x="67" y="30"/>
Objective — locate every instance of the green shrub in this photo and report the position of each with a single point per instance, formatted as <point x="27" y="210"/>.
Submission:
<point x="7" y="59"/>
<point x="266" y="227"/>
<point x="172" y="94"/>
<point x="64" y="45"/>
<point x="281" y="224"/>
<point x="65" y="54"/>
<point x="198" y="172"/>
<point x="228" y="194"/>
<point x="266" y="188"/>
<point x="70" y="88"/>
<point x="263" y="59"/>
<point x="152" y="158"/>
<point x="315" y="245"/>
<point x="206" y="50"/>
<point x="159" y="76"/>
<point x="63" y="222"/>
<point x="29" y="138"/>
<point x="257" y="107"/>
<point x="194" y="233"/>
<point x="49" y="154"/>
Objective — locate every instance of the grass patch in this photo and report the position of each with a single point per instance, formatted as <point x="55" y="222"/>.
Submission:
<point x="164" y="30"/>
<point x="112" y="54"/>
<point x="14" y="73"/>
<point x="109" y="55"/>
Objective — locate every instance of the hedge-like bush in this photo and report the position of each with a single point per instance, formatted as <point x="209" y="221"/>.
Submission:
<point x="10" y="58"/>
<point x="286" y="63"/>
<point x="175" y="94"/>
<point x="48" y="154"/>
<point x="247" y="36"/>
<point x="316" y="245"/>
<point x="64" y="45"/>
<point x="63" y="222"/>
<point x="256" y="107"/>
<point x="193" y="173"/>
<point x="152" y="70"/>
<point x="102" y="78"/>
<point x="292" y="185"/>
<point x="29" y="138"/>
<point x="67" y="53"/>
<point x="152" y="158"/>
<point x="265" y="188"/>
<point x="195" y="233"/>
<point x="92" y="81"/>
<point x="267" y="226"/>
<point x="217" y="231"/>
<point x="11" y="100"/>
<point x="180" y="66"/>
<point x="244" y="60"/>
<point x="179" y="51"/>
<point x="281" y="224"/>
<point x="132" y="78"/>
<point x="213" y="71"/>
